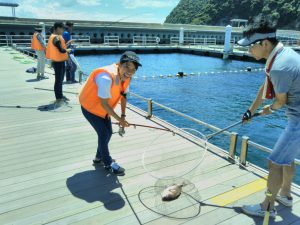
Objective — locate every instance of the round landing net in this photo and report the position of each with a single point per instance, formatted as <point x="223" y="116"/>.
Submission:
<point x="186" y="206"/>
<point x="176" y="154"/>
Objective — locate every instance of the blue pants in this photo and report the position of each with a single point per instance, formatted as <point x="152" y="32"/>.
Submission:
<point x="70" y="70"/>
<point x="287" y="148"/>
<point x="104" y="130"/>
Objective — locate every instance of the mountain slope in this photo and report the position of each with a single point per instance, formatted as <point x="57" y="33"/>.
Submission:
<point x="215" y="12"/>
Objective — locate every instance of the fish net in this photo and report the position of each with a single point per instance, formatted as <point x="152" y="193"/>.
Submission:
<point x="174" y="154"/>
<point x="172" y="158"/>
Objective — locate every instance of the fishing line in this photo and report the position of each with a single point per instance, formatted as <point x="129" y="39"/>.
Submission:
<point x="52" y="107"/>
<point x="145" y="126"/>
<point x="200" y="139"/>
<point x="182" y="132"/>
<point x="48" y="89"/>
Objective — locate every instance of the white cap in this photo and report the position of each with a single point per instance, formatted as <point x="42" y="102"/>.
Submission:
<point x="246" y="41"/>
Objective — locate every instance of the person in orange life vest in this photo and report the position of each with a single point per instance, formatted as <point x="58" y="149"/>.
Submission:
<point x="57" y="52"/>
<point x="282" y="83"/>
<point x="38" y="44"/>
<point x="104" y="88"/>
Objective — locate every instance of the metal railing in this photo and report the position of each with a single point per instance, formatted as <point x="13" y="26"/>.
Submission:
<point x="233" y="136"/>
<point x="27" y="52"/>
<point x="25" y="40"/>
<point x="289" y="42"/>
<point x="4" y="40"/>
<point x="111" y="40"/>
<point x="144" y="40"/>
<point x="81" y="40"/>
<point x="194" y="41"/>
<point x="20" y="40"/>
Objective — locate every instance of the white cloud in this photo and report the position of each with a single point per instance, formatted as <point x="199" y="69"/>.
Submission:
<point x="72" y="10"/>
<point x="53" y="11"/>
<point x="132" y="4"/>
<point x="89" y="2"/>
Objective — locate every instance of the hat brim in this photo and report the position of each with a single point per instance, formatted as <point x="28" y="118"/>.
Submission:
<point x="139" y="64"/>
<point x="246" y="41"/>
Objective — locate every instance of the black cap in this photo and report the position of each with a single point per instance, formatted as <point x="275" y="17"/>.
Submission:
<point x="130" y="56"/>
<point x="58" y="25"/>
<point x="69" y="24"/>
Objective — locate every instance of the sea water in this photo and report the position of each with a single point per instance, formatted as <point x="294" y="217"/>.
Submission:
<point x="218" y="93"/>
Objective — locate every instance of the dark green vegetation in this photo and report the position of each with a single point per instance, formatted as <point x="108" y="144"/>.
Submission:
<point x="215" y="12"/>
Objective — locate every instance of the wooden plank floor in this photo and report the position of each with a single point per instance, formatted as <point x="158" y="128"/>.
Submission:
<point x="47" y="177"/>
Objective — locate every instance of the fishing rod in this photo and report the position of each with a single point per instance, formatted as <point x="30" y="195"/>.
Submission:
<point x="226" y="128"/>
<point x="146" y="126"/>
<point x="207" y="137"/>
<point x="48" y="89"/>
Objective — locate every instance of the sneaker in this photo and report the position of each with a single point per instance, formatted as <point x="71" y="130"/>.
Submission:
<point x="99" y="162"/>
<point x="43" y="77"/>
<point x="68" y="82"/>
<point x="38" y="77"/>
<point x="256" y="210"/>
<point x="285" y="200"/>
<point x="59" y="102"/>
<point x="74" y="82"/>
<point x="65" y="99"/>
<point x="115" y="169"/>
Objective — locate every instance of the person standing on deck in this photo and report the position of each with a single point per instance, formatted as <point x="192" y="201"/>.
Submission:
<point x="103" y="90"/>
<point x="283" y="84"/>
<point x="70" y="65"/>
<point x="57" y="52"/>
<point x="39" y="46"/>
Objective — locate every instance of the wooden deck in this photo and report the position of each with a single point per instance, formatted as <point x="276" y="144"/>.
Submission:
<point x="47" y="176"/>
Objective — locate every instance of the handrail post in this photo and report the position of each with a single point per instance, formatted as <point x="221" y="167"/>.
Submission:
<point x="232" y="147"/>
<point x="244" y="150"/>
<point x="80" y="77"/>
<point x="149" y="108"/>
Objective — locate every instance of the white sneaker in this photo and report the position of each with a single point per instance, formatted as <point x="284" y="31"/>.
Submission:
<point x="256" y="210"/>
<point x="285" y="200"/>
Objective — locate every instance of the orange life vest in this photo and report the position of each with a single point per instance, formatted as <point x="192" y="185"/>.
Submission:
<point x="88" y="96"/>
<point x="35" y="44"/>
<point x="52" y="51"/>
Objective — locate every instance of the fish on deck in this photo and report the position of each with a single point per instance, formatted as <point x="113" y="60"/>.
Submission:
<point x="171" y="192"/>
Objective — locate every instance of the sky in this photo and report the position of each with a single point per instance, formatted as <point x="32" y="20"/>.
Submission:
<point x="151" y="11"/>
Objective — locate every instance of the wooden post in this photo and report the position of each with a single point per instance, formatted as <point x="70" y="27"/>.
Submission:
<point x="244" y="150"/>
<point x="149" y="109"/>
<point x="232" y="147"/>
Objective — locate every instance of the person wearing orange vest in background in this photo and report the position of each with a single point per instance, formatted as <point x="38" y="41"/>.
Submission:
<point x="57" y="52"/>
<point x="38" y="44"/>
<point x="103" y="90"/>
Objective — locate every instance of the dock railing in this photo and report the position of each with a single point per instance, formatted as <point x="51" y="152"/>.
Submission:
<point x="111" y="40"/>
<point x="81" y="40"/>
<point x="25" y="40"/>
<point x="233" y="136"/>
<point x="144" y="40"/>
<point x="4" y="41"/>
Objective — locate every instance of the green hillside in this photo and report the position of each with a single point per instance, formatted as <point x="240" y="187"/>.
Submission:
<point x="215" y="12"/>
